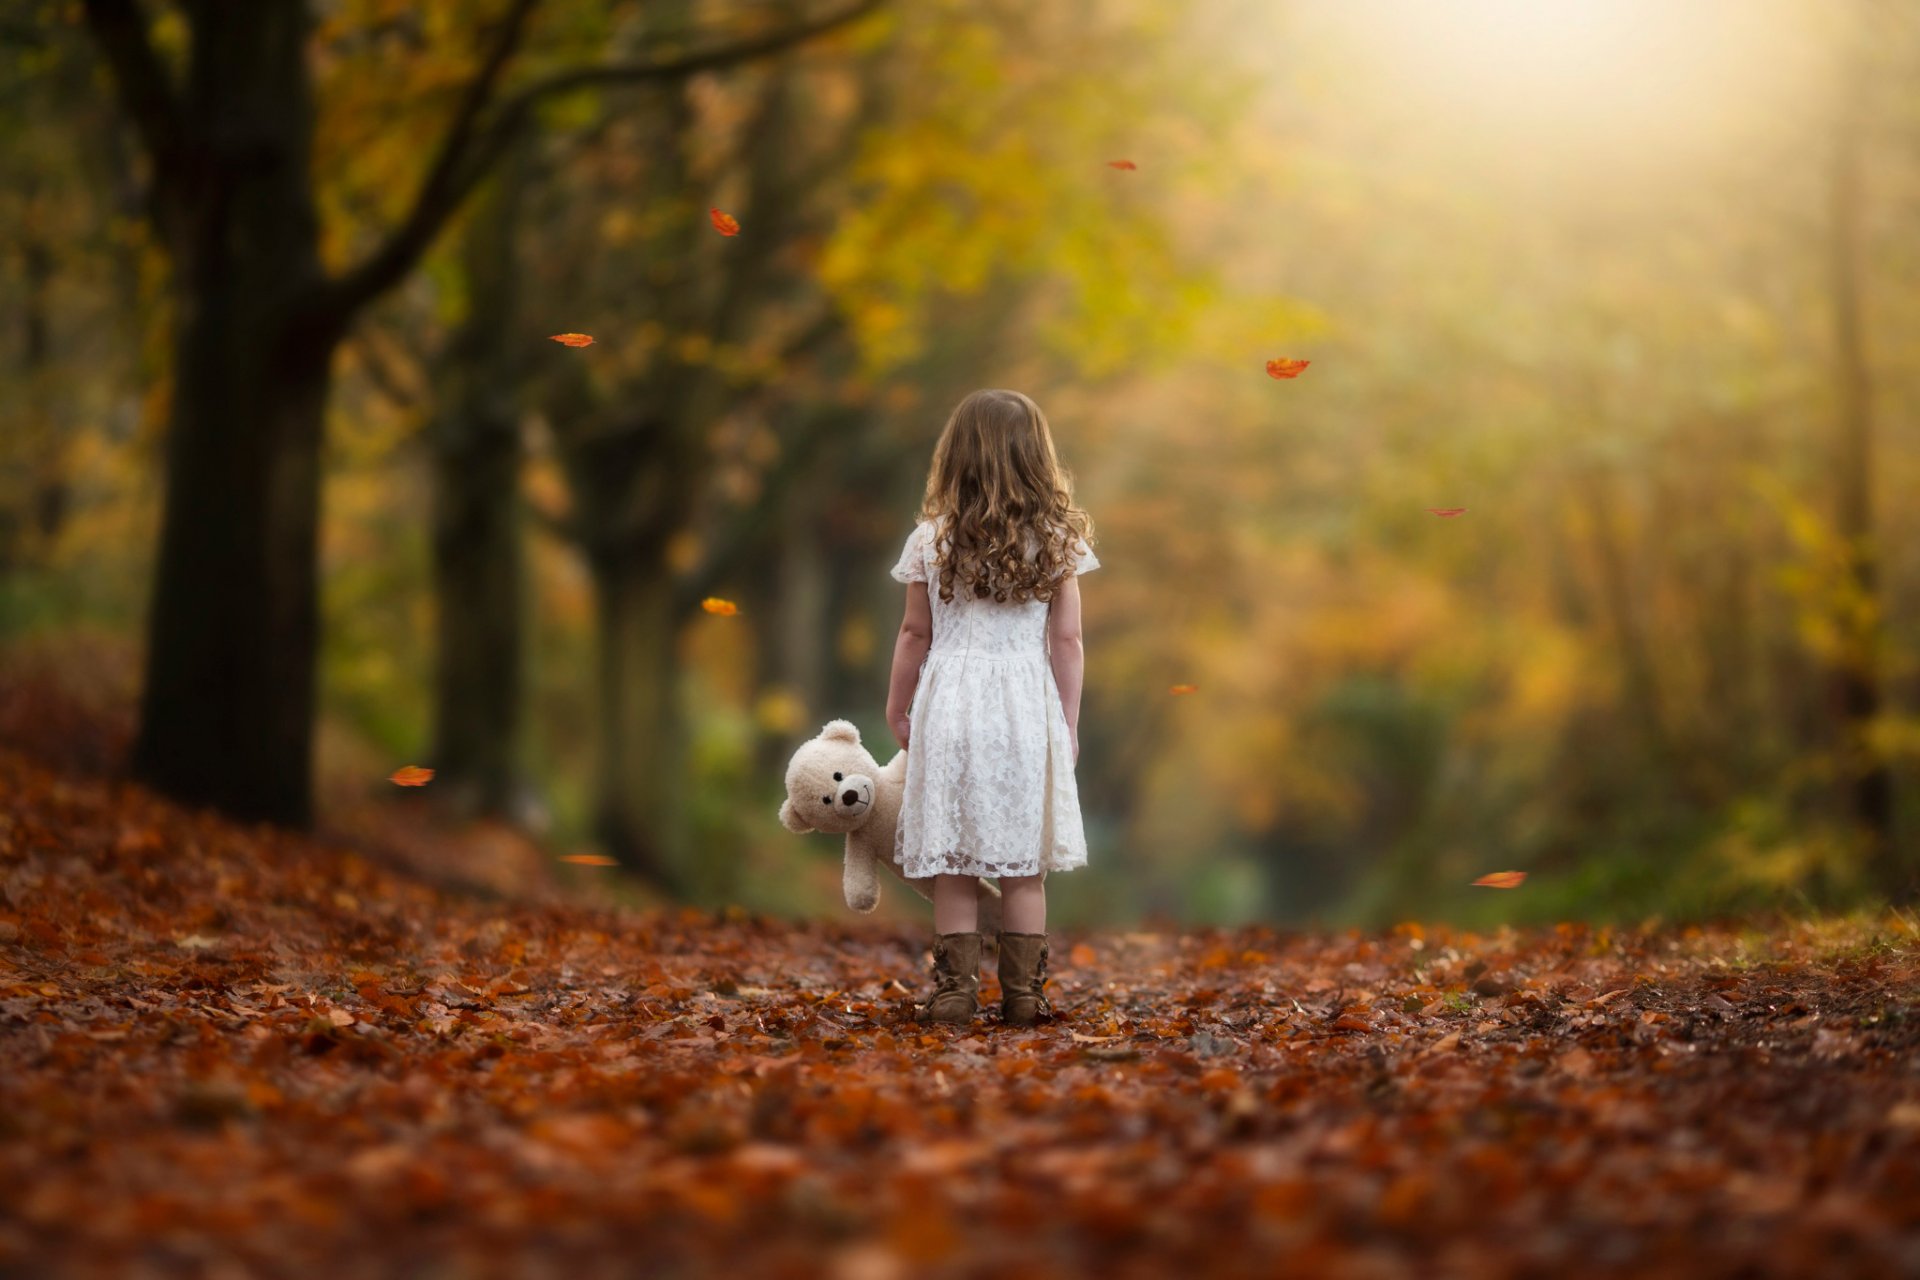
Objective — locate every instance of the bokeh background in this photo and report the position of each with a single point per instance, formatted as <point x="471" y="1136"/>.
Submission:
<point x="1632" y="282"/>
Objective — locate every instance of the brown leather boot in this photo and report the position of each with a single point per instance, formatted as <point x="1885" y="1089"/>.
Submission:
<point x="1023" y="971"/>
<point x="956" y="972"/>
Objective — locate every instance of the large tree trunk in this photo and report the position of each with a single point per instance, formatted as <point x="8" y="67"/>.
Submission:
<point x="227" y="707"/>
<point x="1855" y="675"/>
<point x="477" y="557"/>
<point x="642" y="810"/>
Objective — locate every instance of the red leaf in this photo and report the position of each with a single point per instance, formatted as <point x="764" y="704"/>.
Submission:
<point x="573" y="339"/>
<point x="1121" y="164"/>
<point x="1286" y="368"/>
<point x="411" y="775"/>
<point x="1183" y="688"/>
<point x="1502" y="880"/>
<point x="1447" y="512"/>
<point x="589" y="859"/>
<point x="725" y="223"/>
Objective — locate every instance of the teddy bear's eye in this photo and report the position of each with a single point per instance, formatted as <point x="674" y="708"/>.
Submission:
<point x="836" y="777"/>
<point x="826" y="799"/>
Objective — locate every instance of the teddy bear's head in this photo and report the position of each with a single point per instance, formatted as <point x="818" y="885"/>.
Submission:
<point x="830" y="782"/>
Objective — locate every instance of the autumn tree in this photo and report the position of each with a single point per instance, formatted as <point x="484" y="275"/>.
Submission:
<point x="228" y="694"/>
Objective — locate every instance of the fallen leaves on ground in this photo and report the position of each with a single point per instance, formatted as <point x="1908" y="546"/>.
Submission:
<point x="226" y="1048"/>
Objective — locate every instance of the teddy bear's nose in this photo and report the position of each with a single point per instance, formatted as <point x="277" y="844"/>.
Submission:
<point x="849" y="796"/>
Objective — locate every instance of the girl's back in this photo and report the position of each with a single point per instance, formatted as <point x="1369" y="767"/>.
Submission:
<point x="985" y="695"/>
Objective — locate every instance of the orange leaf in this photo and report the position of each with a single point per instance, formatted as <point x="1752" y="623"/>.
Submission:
<point x="1502" y="880"/>
<point x="1121" y="164"/>
<point x="589" y="859"/>
<point x="1183" y="688"/>
<point x="1448" y="512"/>
<point x="1286" y="368"/>
<point x="574" y="339"/>
<point x="1082" y="955"/>
<point x="412" y="775"/>
<point x="725" y="223"/>
<point x="725" y="608"/>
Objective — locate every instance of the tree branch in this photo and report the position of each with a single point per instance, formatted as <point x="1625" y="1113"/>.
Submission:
<point x="445" y="185"/>
<point x="119" y="28"/>
<point x="469" y="152"/>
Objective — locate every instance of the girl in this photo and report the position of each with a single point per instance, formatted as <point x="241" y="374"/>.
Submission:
<point x="985" y="697"/>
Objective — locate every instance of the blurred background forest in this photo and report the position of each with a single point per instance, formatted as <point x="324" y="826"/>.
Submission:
<point x="291" y="475"/>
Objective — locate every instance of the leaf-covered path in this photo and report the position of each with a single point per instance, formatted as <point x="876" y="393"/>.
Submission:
<point x="231" y="1051"/>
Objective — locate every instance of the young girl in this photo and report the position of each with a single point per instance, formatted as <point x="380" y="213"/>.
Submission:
<point x="985" y="697"/>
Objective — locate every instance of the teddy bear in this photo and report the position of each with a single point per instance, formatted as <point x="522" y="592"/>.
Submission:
<point x="835" y="786"/>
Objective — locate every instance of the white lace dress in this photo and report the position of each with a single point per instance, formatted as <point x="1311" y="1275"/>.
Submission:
<point x="990" y="789"/>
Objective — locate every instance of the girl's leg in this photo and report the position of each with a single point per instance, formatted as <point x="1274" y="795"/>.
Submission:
<point x="1023" y="904"/>
<point x="956" y="904"/>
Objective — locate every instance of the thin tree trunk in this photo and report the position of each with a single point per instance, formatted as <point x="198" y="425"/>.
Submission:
<point x="1617" y="603"/>
<point x="27" y="529"/>
<point x="1855" y="676"/>
<point x="477" y="554"/>
<point x="642" y="811"/>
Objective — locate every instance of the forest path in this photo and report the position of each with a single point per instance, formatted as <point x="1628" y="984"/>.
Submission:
<point x="229" y="1050"/>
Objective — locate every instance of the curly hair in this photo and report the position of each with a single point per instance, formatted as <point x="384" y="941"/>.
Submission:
<point x="1007" y="501"/>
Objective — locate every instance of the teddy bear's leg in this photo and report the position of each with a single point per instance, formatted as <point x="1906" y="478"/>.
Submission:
<point x="858" y="879"/>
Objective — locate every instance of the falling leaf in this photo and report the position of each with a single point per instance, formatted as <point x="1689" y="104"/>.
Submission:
<point x="412" y="775"/>
<point x="725" y="223"/>
<point x="1502" y="880"/>
<point x="574" y="339"/>
<point x="1183" y="688"/>
<point x="1448" y="512"/>
<point x="1286" y="368"/>
<point x="1121" y="164"/>
<point x="589" y="859"/>
<point x="725" y="608"/>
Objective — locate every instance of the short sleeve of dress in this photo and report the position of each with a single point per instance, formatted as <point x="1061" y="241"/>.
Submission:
<point x="913" y="557"/>
<point x="1087" y="562"/>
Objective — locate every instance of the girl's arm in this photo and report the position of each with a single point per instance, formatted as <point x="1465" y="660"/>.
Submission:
<point x="909" y="651"/>
<point x="1066" y="654"/>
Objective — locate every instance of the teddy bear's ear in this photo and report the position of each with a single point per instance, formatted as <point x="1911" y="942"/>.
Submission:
<point x="842" y="729"/>
<point x="790" y="819"/>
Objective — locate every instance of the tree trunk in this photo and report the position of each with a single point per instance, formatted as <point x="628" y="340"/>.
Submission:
<point x="642" y="817"/>
<point x="1617" y="602"/>
<point x="1855" y="676"/>
<point x="477" y="557"/>
<point x="227" y="706"/>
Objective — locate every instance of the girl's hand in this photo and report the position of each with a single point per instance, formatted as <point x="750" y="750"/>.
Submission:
<point x="900" y="726"/>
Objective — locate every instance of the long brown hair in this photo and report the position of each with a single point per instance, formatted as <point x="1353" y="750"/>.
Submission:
<point x="1007" y="501"/>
